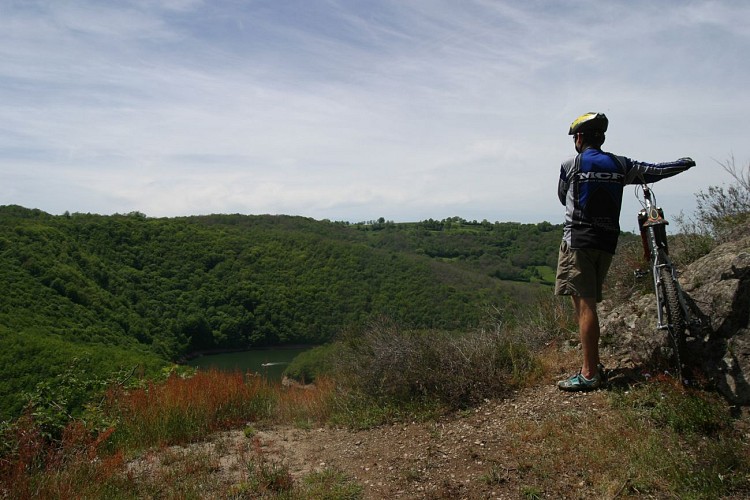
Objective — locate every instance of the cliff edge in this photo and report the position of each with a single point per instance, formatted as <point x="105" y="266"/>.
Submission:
<point x="717" y="287"/>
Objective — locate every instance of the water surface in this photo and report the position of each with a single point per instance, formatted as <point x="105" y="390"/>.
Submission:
<point x="269" y="363"/>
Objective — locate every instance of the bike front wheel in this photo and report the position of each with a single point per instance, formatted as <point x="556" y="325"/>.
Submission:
<point x="674" y="313"/>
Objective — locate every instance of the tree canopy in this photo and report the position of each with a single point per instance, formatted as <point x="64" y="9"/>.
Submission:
<point x="159" y="288"/>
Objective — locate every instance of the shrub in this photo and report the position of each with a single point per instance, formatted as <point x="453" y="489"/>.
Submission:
<point x="307" y="366"/>
<point x="455" y="370"/>
<point x="720" y="210"/>
<point x="267" y="477"/>
<point x="55" y="404"/>
<point x="688" y="247"/>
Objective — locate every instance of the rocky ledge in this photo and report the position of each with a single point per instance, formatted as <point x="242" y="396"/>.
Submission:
<point x="717" y="288"/>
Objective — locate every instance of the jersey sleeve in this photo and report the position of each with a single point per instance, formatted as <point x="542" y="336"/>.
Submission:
<point x="637" y="172"/>
<point x="563" y="183"/>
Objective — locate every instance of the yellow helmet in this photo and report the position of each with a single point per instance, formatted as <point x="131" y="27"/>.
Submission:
<point x="589" y="122"/>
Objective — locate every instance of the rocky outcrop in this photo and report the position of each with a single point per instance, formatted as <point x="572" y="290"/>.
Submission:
<point x="717" y="288"/>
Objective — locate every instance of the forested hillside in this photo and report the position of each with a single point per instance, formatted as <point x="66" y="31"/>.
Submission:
<point x="127" y="289"/>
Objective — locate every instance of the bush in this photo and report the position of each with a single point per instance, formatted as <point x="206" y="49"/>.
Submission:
<point x="688" y="247"/>
<point x="307" y="366"/>
<point x="55" y="404"/>
<point x="454" y="370"/>
<point x="720" y="210"/>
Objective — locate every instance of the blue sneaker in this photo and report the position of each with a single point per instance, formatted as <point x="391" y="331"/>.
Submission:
<point x="579" y="383"/>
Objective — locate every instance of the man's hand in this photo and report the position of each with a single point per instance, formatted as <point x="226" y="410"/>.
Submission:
<point x="687" y="161"/>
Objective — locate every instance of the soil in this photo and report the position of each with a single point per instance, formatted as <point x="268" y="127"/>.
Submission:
<point x="470" y="454"/>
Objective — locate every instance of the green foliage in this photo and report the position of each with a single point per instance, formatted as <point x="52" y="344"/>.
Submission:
<point x="56" y="403"/>
<point x="309" y="365"/>
<point x="503" y="250"/>
<point x="57" y="377"/>
<point x="138" y="288"/>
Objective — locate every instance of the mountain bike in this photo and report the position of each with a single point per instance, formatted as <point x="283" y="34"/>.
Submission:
<point x="671" y="307"/>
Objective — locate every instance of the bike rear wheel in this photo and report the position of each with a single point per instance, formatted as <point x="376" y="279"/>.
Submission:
<point x="674" y="314"/>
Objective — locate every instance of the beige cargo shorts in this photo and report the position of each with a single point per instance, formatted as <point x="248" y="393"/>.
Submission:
<point x="581" y="271"/>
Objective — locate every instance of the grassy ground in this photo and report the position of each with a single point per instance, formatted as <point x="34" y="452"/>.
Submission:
<point x="650" y="439"/>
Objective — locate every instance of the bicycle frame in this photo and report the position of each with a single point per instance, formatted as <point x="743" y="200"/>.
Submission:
<point x="656" y="251"/>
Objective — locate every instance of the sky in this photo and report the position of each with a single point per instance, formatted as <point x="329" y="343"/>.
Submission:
<point x="352" y="110"/>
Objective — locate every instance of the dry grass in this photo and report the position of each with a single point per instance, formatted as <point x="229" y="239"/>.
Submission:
<point x="550" y="319"/>
<point x="611" y="450"/>
<point x="183" y="409"/>
<point x="176" y="411"/>
<point x="304" y="405"/>
<point x="386" y="365"/>
<point x="655" y="440"/>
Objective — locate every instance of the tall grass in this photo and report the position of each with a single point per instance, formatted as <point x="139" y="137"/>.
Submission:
<point x="548" y="319"/>
<point x="305" y="405"/>
<point x="88" y="459"/>
<point x="184" y="409"/>
<point x="32" y="466"/>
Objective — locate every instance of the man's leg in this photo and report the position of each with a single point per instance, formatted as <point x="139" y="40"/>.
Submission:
<point x="588" y="327"/>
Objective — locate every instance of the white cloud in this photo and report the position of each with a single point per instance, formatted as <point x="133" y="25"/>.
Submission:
<point x="329" y="109"/>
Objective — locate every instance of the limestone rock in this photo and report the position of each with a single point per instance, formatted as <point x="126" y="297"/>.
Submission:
<point x="717" y="287"/>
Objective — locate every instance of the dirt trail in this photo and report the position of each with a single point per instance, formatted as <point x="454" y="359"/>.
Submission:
<point x="472" y="455"/>
<point x="480" y="453"/>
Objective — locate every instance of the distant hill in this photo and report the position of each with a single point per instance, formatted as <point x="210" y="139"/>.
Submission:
<point x="123" y="289"/>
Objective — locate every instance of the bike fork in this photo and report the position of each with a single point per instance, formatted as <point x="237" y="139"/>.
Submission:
<point x="658" y="289"/>
<point x="659" y="299"/>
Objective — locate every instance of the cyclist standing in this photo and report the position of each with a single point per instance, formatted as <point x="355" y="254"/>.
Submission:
<point x="590" y="187"/>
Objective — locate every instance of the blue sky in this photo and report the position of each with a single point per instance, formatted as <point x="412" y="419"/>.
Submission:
<point x="355" y="110"/>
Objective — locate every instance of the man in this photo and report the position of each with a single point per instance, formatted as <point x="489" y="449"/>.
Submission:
<point x="590" y="187"/>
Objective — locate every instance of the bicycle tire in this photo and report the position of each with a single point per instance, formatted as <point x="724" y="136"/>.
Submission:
<point x="674" y="314"/>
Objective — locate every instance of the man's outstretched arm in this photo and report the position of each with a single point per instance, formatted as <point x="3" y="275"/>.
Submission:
<point x="640" y="172"/>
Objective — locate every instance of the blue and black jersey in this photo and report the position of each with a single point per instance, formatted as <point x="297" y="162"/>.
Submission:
<point x="591" y="186"/>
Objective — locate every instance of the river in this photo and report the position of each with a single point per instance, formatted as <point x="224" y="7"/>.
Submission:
<point x="268" y="362"/>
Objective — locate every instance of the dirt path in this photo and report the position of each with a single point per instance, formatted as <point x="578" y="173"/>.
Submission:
<point x="484" y="452"/>
<point x="473" y="455"/>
